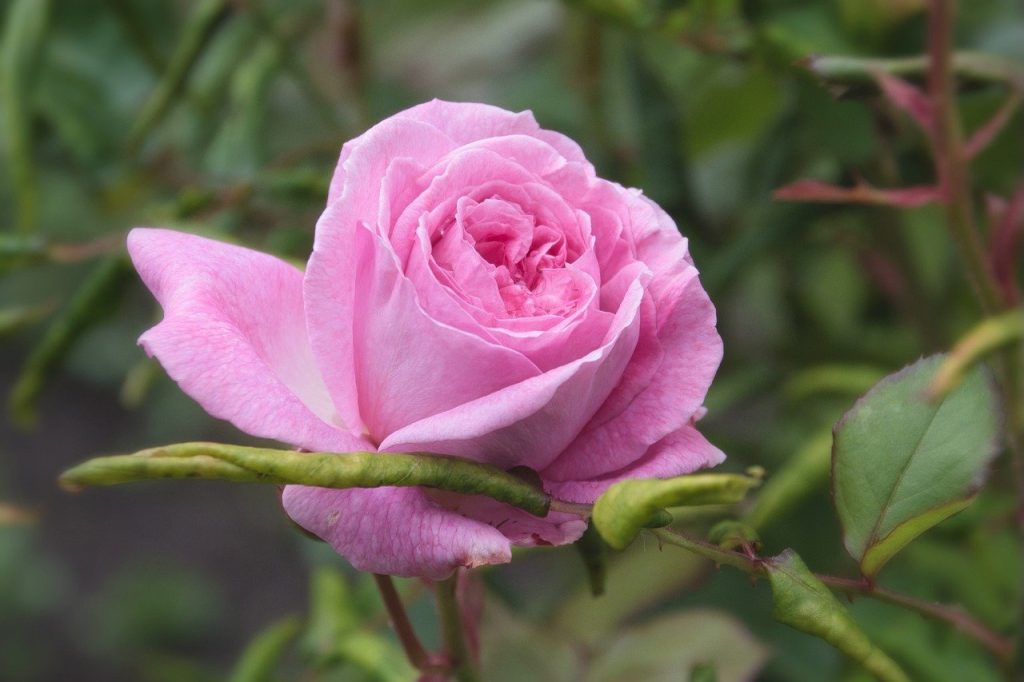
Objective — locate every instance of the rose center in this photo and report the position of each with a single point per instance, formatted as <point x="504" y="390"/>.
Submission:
<point x="523" y="257"/>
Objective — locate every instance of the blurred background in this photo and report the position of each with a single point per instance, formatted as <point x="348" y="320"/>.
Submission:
<point x="225" y="117"/>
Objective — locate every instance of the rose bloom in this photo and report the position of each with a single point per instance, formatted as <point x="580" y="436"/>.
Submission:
<point x="474" y="290"/>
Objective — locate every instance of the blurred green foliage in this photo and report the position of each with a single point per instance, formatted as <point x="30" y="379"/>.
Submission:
<point x="225" y="118"/>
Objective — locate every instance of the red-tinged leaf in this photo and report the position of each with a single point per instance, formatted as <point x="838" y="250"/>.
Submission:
<point x="983" y="136"/>
<point x="908" y="98"/>
<point x="862" y="193"/>
<point x="1007" y="227"/>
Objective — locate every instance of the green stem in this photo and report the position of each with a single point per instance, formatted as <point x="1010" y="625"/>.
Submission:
<point x="952" y="615"/>
<point x="990" y="335"/>
<point x="969" y="66"/>
<point x="460" y="661"/>
<point x="705" y="549"/>
<point x="320" y="469"/>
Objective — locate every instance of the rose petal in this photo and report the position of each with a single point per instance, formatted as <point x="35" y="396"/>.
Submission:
<point x="629" y="423"/>
<point x="397" y="531"/>
<point x="233" y="337"/>
<point x="521" y="528"/>
<point x="681" y="452"/>
<point x="466" y="122"/>
<point x="531" y="422"/>
<point x="472" y="172"/>
<point x="563" y="339"/>
<point x="356" y="196"/>
<point x="408" y="366"/>
<point x="364" y="160"/>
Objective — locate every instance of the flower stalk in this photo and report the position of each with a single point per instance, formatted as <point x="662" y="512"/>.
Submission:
<point x="453" y="630"/>
<point x="411" y="645"/>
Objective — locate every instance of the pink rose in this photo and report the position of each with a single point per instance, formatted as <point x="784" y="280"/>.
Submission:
<point x="474" y="290"/>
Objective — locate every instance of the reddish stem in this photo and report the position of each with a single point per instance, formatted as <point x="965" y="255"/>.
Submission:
<point x="953" y="615"/>
<point x="414" y="651"/>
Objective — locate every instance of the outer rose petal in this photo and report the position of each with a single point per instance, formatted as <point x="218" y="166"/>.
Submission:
<point x="397" y="531"/>
<point x="366" y="158"/>
<point x="468" y="122"/>
<point x="682" y="452"/>
<point x="688" y="351"/>
<point x="331" y="276"/>
<point x="407" y="365"/>
<point x="522" y="528"/>
<point x="233" y="337"/>
<point x="529" y="423"/>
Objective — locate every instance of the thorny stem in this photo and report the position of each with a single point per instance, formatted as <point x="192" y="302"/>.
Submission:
<point x="460" y="662"/>
<point x="954" y="616"/>
<point x="411" y="645"/>
<point x="954" y="179"/>
<point x="950" y="160"/>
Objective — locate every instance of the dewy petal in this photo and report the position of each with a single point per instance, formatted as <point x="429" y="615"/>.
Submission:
<point x="531" y="422"/>
<point x="681" y="452"/>
<point x="397" y="531"/>
<point x="233" y="337"/>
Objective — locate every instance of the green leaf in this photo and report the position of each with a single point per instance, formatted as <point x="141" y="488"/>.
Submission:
<point x="802" y="602"/>
<point x="261" y="657"/>
<point x="628" y="506"/>
<point x="23" y="43"/>
<point x="321" y="469"/>
<point x="902" y="464"/>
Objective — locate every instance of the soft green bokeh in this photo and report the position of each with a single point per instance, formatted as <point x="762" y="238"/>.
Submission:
<point x="225" y="118"/>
